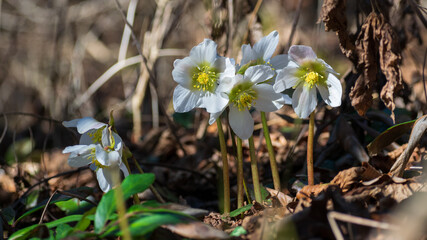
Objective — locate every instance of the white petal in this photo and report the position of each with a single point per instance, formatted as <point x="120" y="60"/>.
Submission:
<point x="241" y="122"/>
<point x="80" y="155"/>
<point x="204" y="52"/>
<point x="259" y="73"/>
<point x="331" y="93"/>
<point x="70" y="124"/>
<point x="214" y="116"/>
<point x="247" y="54"/>
<point x="102" y="155"/>
<point x="286" y="99"/>
<point x="286" y="79"/>
<point x="105" y="178"/>
<point x="124" y="169"/>
<point x="213" y="102"/>
<point x="267" y="98"/>
<point x="280" y="61"/>
<point x="266" y="46"/>
<point x="182" y="71"/>
<point x="85" y="124"/>
<point x="184" y="100"/>
<point x="301" y="53"/>
<point x="85" y="139"/>
<point x="229" y="71"/>
<point x="328" y="68"/>
<point x="304" y="101"/>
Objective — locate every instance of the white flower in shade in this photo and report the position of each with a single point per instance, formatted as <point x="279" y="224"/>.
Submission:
<point x="198" y="77"/>
<point x="100" y="147"/>
<point x="305" y="73"/>
<point x="261" y="54"/>
<point x="247" y="91"/>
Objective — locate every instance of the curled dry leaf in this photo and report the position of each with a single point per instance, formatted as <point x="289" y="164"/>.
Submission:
<point x="377" y="40"/>
<point x="197" y="230"/>
<point x="333" y="15"/>
<point x="311" y="191"/>
<point x="281" y="197"/>
<point x="346" y="179"/>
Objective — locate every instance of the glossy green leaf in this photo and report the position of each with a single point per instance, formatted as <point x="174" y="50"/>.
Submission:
<point x="238" y="231"/>
<point x="133" y="184"/>
<point x="389" y="136"/>
<point x="84" y="223"/>
<point x="62" y="231"/>
<point x="55" y="199"/>
<point x="238" y="211"/>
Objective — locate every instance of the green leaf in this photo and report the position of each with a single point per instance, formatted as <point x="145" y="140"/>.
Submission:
<point x="84" y="223"/>
<point x="132" y="184"/>
<point x="55" y="199"/>
<point x="389" y="136"/>
<point x="8" y="214"/>
<point x="240" y="210"/>
<point x="62" y="231"/>
<point x="21" y="149"/>
<point x="238" y="231"/>
<point x="25" y="233"/>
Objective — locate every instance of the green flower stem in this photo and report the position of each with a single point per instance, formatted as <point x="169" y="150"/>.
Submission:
<point x="310" y="171"/>
<point x="239" y="173"/>
<point x="273" y="164"/>
<point x="248" y="196"/>
<point x="254" y="168"/>
<point x="152" y="188"/>
<point x="121" y="208"/>
<point x="225" y="174"/>
<point x="135" y="196"/>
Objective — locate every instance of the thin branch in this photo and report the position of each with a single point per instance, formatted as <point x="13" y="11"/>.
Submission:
<point x="45" y="207"/>
<point x="152" y="81"/>
<point x="5" y="128"/>
<point x="77" y="196"/>
<point x="251" y="19"/>
<point x="424" y="80"/>
<point x="294" y="25"/>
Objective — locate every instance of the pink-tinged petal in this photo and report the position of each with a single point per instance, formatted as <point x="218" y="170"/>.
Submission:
<point x="241" y="122"/>
<point x="248" y="54"/>
<point x="266" y="46"/>
<point x="304" y="101"/>
<point x="301" y="53"/>
<point x="267" y="100"/>
<point x="259" y="73"/>
<point x="182" y="71"/>
<point x="279" y="62"/>
<point x="184" y="100"/>
<point x="332" y="92"/>
<point x="105" y="178"/>
<point x="204" y="52"/>
<point x="213" y="102"/>
<point x="286" y="79"/>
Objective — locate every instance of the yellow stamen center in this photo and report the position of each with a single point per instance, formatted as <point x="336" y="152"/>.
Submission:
<point x="243" y="96"/>
<point x="312" y="78"/>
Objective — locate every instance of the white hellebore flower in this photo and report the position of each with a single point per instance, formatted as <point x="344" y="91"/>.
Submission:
<point x="306" y="73"/>
<point x="100" y="147"/>
<point x="246" y="91"/>
<point x="198" y="77"/>
<point x="261" y="53"/>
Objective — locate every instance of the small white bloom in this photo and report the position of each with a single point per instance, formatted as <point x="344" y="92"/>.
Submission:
<point x="261" y="54"/>
<point x="305" y="73"/>
<point x="198" y="76"/>
<point x="246" y="91"/>
<point x="100" y="147"/>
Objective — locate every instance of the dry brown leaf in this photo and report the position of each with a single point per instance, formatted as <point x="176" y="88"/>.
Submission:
<point x="196" y="230"/>
<point x="333" y="15"/>
<point x="347" y="178"/>
<point x="309" y="191"/>
<point x="281" y="197"/>
<point x="377" y="40"/>
<point x="370" y="172"/>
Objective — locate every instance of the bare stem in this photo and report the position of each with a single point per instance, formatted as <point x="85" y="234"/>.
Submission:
<point x="273" y="164"/>
<point x="310" y="171"/>
<point x="225" y="174"/>
<point x="239" y="173"/>
<point x="121" y="208"/>
<point x="254" y="169"/>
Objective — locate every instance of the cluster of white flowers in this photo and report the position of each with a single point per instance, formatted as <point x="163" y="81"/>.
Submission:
<point x="100" y="147"/>
<point x="207" y="80"/>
